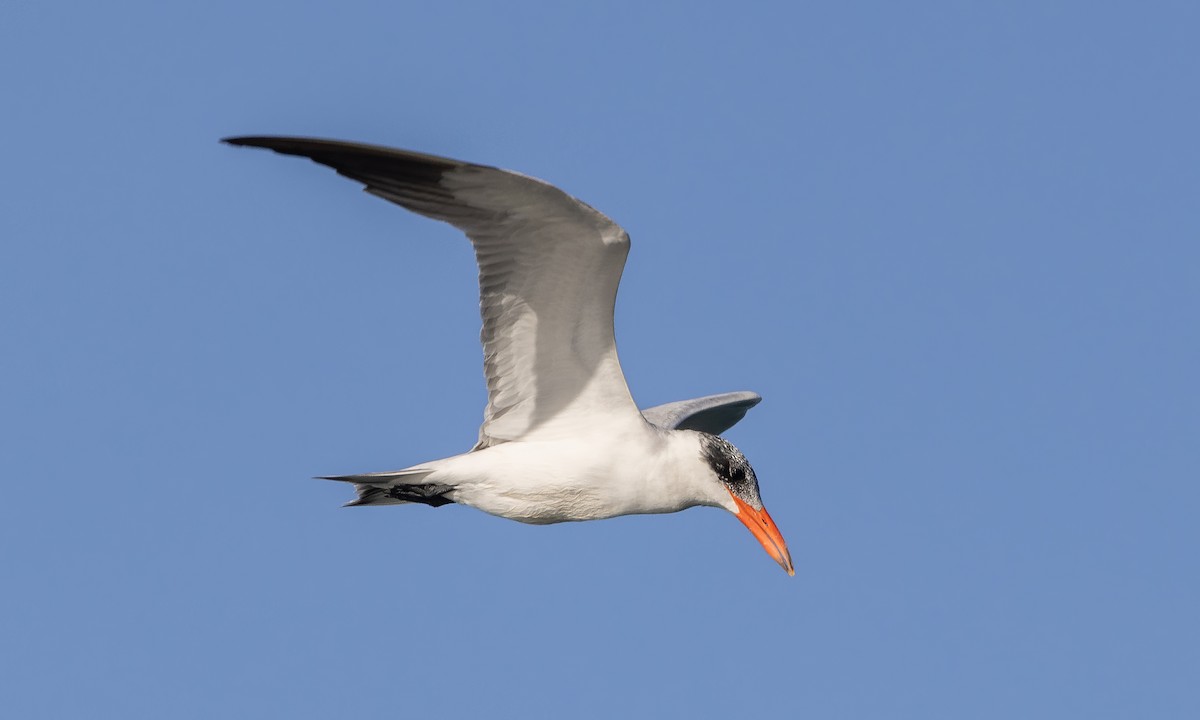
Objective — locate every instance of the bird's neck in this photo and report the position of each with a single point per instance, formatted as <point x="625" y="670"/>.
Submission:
<point x="683" y="475"/>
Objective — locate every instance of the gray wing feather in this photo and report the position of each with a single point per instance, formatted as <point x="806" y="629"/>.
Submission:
<point x="711" y="414"/>
<point x="549" y="266"/>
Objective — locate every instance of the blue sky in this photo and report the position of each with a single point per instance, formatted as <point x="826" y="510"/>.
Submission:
<point x="954" y="246"/>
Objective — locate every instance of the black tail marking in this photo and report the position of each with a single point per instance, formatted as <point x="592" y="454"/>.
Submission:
<point x="431" y="494"/>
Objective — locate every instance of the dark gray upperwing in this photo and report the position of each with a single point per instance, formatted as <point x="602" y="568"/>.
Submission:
<point x="711" y="414"/>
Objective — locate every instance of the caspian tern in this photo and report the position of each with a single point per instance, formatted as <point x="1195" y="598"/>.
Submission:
<point x="562" y="439"/>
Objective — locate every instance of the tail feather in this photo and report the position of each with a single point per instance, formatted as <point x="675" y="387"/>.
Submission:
<point x="372" y="495"/>
<point x="397" y="487"/>
<point x="382" y="478"/>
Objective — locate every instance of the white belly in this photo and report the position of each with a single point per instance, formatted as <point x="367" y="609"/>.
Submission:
<point x="558" y="481"/>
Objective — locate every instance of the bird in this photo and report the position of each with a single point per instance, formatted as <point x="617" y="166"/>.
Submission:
<point x="562" y="438"/>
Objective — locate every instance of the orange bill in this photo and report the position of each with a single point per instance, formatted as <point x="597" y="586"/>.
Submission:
<point x="763" y="528"/>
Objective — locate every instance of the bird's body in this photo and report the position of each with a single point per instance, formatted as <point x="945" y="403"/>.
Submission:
<point x="638" y="469"/>
<point x="562" y="439"/>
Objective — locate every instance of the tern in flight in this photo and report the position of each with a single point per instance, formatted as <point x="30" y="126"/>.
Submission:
<point x="562" y="438"/>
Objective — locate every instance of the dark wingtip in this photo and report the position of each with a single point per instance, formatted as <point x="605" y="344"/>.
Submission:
<point x="261" y="141"/>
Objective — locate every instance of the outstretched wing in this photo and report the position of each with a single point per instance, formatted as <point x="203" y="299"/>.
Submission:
<point x="711" y="414"/>
<point x="549" y="266"/>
